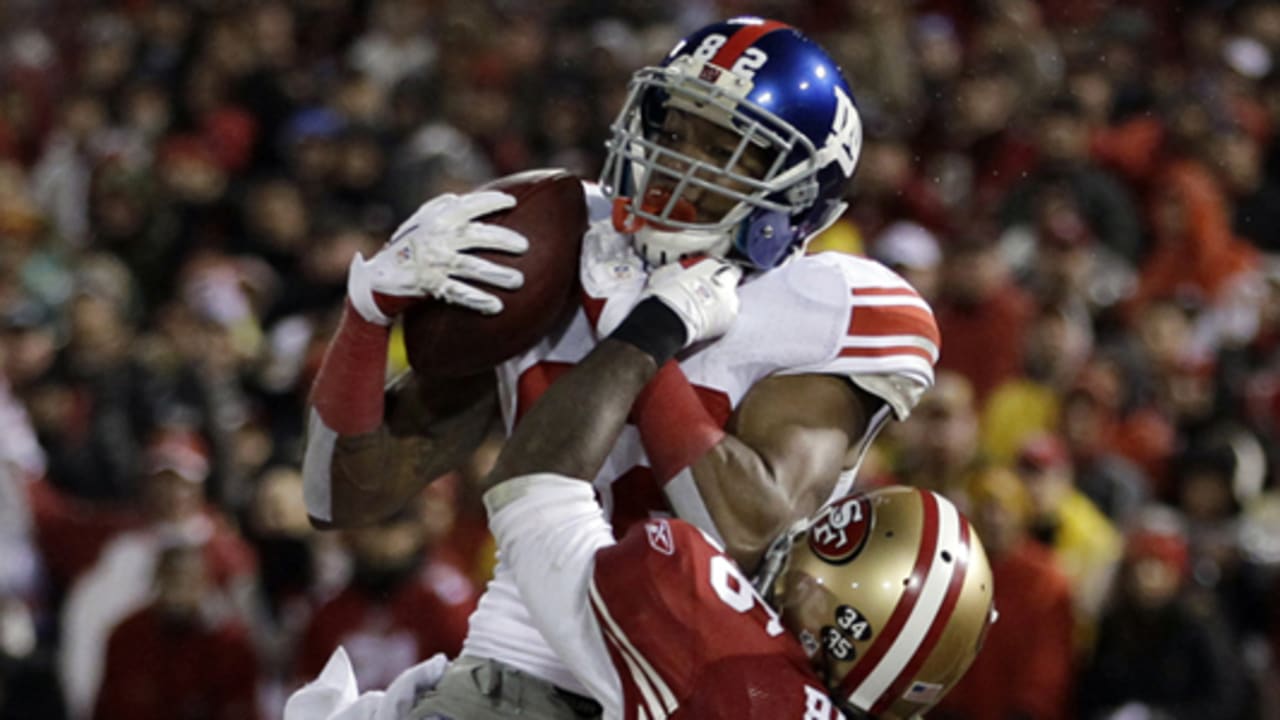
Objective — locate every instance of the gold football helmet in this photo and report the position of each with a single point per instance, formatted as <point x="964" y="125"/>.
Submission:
<point x="890" y="593"/>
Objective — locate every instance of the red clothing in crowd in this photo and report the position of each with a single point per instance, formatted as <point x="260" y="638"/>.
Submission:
<point x="72" y="533"/>
<point x="384" y="635"/>
<point x="1026" y="666"/>
<point x="984" y="342"/>
<point x="1198" y="250"/>
<point x="156" y="669"/>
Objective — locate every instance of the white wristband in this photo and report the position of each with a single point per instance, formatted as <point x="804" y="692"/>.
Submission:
<point x="360" y="291"/>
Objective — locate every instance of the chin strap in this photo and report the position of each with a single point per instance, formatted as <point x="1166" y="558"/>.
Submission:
<point x="775" y="561"/>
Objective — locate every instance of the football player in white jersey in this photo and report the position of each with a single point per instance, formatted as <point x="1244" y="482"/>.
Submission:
<point x="737" y="146"/>
<point x="878" y="606"/>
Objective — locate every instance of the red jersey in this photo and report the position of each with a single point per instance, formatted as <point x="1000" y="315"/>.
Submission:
<point x="689" y="636"/>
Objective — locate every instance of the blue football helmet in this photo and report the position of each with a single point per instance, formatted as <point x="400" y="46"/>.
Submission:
<point x="776" y="90"/>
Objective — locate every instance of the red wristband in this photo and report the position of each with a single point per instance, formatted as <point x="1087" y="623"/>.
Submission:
<point x="675" y="427"/>
<point x="348" y="389"/>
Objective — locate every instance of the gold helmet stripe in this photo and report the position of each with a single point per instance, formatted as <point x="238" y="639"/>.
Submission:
<point x="917" y="609"/>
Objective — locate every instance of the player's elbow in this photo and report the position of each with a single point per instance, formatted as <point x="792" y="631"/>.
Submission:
<point x="336" y="500"/>
<point x="751" y="532"/>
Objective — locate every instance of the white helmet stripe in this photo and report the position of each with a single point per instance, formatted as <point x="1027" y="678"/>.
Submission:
<point x="922" y="606"/>
<point x="904" y="685"/>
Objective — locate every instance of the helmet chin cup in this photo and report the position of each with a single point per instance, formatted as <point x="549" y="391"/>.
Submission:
<point x="659" y="247"/>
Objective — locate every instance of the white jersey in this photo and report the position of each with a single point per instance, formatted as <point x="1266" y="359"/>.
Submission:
<point x="830" y="313"/>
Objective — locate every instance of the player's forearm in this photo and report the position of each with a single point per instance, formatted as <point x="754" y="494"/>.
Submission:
<point x="352" y="480"/>
<point x="346" y="401"/>
<point x="574" y="425"/>
<point x="363" y="460"/>
<point x="776" y="463"/>
<point x="364" y="478"/>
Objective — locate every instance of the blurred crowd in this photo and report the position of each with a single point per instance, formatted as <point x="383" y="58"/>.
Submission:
<point x="1088" y="191"/>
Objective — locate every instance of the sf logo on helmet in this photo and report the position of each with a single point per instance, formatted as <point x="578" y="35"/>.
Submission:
<point x="841" y="531"/>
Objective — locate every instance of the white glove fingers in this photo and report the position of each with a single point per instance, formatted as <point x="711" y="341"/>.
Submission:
<point x="481" y="236"/>
<point x="455" y="292"/>
<point x="727" y="275"/>
<point x="470" y="267"/>
<point x="704" y="295"/>
<point x="426" y="213"/>
<point x="478" y="204"/>
<point x="364" y="708"/>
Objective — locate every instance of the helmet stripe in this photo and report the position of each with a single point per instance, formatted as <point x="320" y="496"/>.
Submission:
<point x="940" y="622"/>
<point x="743" y="39"/>
<point x="856" y="679"/>
<point x="934" y="579"/>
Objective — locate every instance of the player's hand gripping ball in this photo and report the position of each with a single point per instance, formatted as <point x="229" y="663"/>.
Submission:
<point x="446" y="341"/>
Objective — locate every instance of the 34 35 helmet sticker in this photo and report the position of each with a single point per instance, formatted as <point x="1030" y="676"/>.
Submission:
<point x="850" y="626"/>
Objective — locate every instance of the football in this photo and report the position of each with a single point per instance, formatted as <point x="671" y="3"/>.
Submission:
<point x="444" y="340"/>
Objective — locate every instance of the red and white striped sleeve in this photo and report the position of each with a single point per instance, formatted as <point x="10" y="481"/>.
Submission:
<point x="879" y="332"/>
<point x="891" y="331"/>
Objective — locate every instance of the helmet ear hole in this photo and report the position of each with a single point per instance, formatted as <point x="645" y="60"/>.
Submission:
<point x="765" y="238"/>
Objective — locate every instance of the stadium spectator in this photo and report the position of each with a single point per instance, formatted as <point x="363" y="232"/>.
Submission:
<point x="982" y="312"/>
<point x="175" y="658"/>
<point x="173" y="511"/>
<point x="404" y="603"/>
<point x="1084" y="543"/>
<point x="1018" y="674"/>
<point x="1158" y="653"/>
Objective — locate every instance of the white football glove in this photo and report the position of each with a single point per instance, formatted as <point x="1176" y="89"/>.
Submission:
<point x="704" y="295"/>
<point x="333" y="691"/>
<point x="425" y="257"/>
<point x="334" y="695"/>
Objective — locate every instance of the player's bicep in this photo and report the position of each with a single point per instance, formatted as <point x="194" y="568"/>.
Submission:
<point x="803" y="427"/>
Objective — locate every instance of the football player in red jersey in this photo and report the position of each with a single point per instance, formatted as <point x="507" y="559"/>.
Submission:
<point x="736" y="147"/>
<point x="879" y="604"/>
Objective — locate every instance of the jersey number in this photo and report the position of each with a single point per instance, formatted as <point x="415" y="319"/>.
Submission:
<point x="817" y="706"/>
<point x="732" y="588"/>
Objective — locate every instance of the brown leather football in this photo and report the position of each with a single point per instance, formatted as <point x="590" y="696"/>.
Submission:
<point x="444" y="340"/>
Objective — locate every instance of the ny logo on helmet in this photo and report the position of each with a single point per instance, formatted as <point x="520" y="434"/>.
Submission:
<point x="845" y="141"/>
